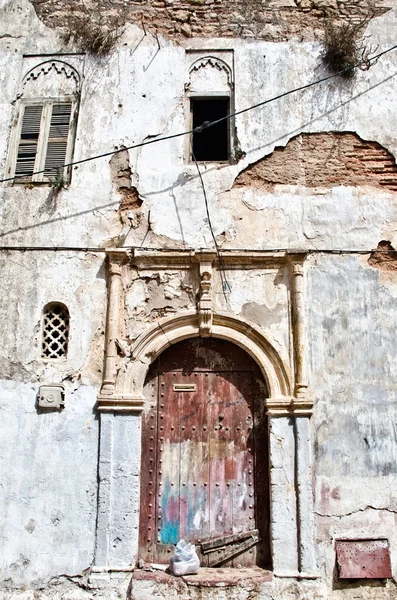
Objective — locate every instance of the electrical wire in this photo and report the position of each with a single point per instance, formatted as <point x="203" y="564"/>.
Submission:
<point x="204" y="125"/>
<point x="225" y="283"/>
<point x="367" y="63"/>
<point x="225" y="251"/>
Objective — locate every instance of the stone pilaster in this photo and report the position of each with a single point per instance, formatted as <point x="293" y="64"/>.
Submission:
<point x="116" y="259"/>
<point x="118" y="516"/>
<point x="299" y="328"/>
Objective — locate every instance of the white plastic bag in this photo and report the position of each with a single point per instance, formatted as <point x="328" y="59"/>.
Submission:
<point x="185" y="560"/>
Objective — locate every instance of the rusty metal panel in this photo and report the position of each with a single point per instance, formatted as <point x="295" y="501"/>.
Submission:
<point x="363" y="559"/>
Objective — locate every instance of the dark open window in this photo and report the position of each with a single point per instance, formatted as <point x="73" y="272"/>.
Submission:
<point x="211" y="144"/>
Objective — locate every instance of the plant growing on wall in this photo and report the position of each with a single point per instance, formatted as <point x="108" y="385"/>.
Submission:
<point x="344" y="49"/>
<point x="91" y="32"/>
<point x="58" y="182"/>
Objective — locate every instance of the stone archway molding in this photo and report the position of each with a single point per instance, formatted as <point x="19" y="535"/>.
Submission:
<point x="128" y="392"/>
<point x="121" y="401"/>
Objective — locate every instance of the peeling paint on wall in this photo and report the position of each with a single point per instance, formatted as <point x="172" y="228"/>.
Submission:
<point x="326" y="188"/>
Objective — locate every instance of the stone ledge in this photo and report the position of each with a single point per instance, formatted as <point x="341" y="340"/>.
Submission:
<point x="207" y="577"/>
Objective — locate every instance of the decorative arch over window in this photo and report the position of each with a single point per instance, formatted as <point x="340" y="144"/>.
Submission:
<point x="210" y="72"/>
<point x="55" y="331"/>
<point x="209" y="88"/>
<point x="42" y="139"/>
<point x="51" y="77"/>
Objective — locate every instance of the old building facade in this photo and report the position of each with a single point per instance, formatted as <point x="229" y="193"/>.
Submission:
<point x="198" y="329"/>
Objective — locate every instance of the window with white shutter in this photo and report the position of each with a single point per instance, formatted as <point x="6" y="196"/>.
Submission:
<point x="57" y="142"/>
<point x="27" y="149"/>
<point x="45" y="138"/>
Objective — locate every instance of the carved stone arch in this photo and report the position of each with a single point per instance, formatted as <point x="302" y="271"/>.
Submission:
<point x="44" y="68"/>
<point x="214" y="63"/>
<point x="170" y="330"/>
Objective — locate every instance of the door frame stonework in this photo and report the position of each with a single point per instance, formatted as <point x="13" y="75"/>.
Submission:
<point x="171" y="330"/>
<point x="288" y="407"/>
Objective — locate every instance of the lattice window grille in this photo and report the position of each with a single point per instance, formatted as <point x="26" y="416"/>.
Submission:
<point x="55" y="332"/>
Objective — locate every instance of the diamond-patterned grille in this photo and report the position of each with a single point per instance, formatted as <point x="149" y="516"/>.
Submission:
<point x="55" y="331"/>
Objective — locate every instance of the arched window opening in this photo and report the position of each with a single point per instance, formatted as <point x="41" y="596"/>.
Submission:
<point x="55" y="331"/>
<point x="210" y="92"/>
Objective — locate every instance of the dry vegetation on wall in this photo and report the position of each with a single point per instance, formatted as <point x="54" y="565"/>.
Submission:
<point x="92" y="29"/>
<point x="272" y="20"/>
<point x="344" y="50"/>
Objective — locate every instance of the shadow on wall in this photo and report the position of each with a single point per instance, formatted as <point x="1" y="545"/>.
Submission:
<point x="182" y="179"/>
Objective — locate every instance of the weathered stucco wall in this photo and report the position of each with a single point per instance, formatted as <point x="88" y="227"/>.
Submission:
<point x="354" y="420"/>
<point x="170" y="203"/>
<point x="49" y="459"/>
<point x="317" y="173"/>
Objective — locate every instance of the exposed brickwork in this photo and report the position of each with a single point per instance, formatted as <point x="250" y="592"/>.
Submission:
<point x="273" y="20"/>
<point x="324" y="160"/>
<point x="384" y="257"/>
<point x="121" y="177"/>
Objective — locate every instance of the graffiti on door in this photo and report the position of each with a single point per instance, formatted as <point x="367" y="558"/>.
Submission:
<point x="204" y="473"/>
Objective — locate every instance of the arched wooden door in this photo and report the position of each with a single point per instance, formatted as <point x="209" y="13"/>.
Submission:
<point x="204" y="474"/>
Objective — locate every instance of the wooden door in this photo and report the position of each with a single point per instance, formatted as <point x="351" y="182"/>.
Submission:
<point x="204" y="465"/>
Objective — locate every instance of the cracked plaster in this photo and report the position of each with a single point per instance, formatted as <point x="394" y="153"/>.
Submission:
<point x="350" y="304"/>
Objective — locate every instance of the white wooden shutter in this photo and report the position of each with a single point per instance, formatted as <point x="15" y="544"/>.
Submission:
<point x="28" y="142"/>
<point x="57" y="145"/>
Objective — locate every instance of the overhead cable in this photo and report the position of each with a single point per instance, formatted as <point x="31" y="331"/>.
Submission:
<point x="203" y="126"/>
<point x="225" y="283"/>
<point x="224" y="251"/>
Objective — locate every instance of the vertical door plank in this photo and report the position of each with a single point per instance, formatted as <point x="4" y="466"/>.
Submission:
<point x="219" y="448"/>
<point x="194" y="460"/>
<point x="168" y="469"/>
<point x="262" y="505"/>
<point x="147" y="521"/>
<point x="243" y="485"/>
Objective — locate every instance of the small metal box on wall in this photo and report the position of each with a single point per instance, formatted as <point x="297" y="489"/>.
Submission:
<point x="363" y="559"/>
<point x="51" y="396"/>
